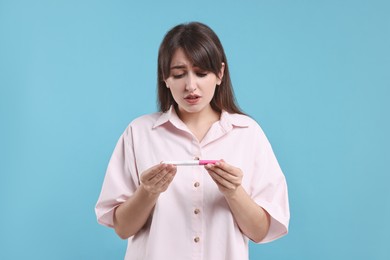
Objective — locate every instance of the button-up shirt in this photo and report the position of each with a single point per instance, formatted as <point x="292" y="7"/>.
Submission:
<point x="191" y="219"/>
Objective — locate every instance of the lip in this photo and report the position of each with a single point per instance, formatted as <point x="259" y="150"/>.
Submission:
<point x="192" y="98"/>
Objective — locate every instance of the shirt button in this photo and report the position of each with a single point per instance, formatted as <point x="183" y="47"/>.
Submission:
<point x="196" y="158"/>
<point x="196" y="239"/>
<point x="196" y="211"/>
<point x="196" y="184"/>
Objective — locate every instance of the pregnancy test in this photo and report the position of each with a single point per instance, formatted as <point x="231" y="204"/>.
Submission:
<point x="191" y="163"/>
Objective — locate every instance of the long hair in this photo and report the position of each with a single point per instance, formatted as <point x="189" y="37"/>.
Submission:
<point x="204" y="49"/>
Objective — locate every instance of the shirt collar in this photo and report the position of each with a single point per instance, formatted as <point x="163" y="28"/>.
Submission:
<point x="227" y="120"/>
<point x="170" y="116"/>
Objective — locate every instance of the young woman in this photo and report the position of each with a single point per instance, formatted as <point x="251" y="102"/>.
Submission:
<point x="167" y="210"/>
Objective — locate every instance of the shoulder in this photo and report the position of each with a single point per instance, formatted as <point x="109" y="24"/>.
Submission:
<point x="241" y="120"/>
<point x="143" y="122"/>
<point x="248" y="127"/>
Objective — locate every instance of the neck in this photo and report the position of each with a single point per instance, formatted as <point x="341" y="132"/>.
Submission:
<point x="207" y="115"/>
<point x="199" y="123"/>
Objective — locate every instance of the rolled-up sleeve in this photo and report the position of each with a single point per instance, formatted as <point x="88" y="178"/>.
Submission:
<point x="269" y="189"/>
<point x="120" y="182"/>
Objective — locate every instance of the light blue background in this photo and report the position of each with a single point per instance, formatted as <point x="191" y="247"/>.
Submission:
<point x="314" y="74"/>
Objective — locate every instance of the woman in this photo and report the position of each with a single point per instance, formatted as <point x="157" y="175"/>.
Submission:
<point x="169" y="211"/>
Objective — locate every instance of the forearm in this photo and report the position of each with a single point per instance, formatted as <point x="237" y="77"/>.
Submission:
<point x="253" y="220"/>
<point x="132" y="215"/>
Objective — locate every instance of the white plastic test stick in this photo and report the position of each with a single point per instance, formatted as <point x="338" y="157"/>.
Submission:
<point x="191" y="162"/>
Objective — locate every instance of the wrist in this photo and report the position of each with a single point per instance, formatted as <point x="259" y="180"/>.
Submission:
<point x="145" y="193"/>
<point x="233" y="194"/>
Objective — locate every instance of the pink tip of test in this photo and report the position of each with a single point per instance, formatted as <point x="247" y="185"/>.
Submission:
<point x="205" y="162"/>
<point x="191" y="163"/>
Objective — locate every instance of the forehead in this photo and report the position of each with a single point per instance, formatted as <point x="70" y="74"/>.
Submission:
<point x="180" y="58"/>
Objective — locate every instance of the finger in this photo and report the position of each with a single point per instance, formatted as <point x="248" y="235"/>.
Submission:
<point x="155" y="175"/>
<point x="166" y="180"/>
<point x="167" y="170"/>
<point x="172" y="169"/>
<point x="225" y="178"/>
<point x="219" y="171"/>
<point x="164" y="183"/>
<point x="158" y="177"/>
<point x="153" y="171"/>
<point x="227" y="167"/>
<point x="221" y="181"/>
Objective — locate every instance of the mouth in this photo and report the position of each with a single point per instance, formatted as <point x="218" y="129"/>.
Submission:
<point x="192" y="98"/>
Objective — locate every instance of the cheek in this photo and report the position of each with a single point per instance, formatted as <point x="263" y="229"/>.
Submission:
<point x="175" y="92"/>
<point x="174" y="84"/>
<point x="212" y="82"/>
<point x="211" y="87"/>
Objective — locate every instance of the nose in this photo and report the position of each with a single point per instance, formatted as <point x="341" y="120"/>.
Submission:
<point x="191" y="82"/>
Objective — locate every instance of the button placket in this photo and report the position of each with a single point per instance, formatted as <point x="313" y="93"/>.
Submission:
<point x="197" y="202"/>
<point x="197" y="205"/>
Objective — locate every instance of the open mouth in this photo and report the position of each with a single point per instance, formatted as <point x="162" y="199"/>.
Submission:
<point x="192" y="98"/>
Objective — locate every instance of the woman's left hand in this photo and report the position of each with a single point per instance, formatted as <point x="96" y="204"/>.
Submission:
<point x="227" y="177"/>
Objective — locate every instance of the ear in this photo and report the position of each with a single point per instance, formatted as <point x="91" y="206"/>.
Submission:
<point x="166" y="84"/>
<point x="220" y="74"/>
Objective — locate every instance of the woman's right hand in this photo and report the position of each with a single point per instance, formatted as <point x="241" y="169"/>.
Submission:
<point x="139" y="206"/>
<point x="156" y="179"/>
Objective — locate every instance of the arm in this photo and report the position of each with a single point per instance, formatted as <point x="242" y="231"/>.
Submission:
<point x="131" y="216"/>
<point x="253" y="220"/>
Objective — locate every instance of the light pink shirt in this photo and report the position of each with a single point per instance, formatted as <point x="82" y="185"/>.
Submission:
<point x="192" y="219"/>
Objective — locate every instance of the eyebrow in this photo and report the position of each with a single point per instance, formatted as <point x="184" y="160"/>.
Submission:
<point x="183" y="67"/>
<point x="178" y="67"/>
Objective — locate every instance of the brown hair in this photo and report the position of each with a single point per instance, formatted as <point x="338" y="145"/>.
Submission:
<point x="203" y="47"/>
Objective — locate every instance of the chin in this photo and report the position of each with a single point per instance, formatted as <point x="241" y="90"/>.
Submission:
<point x="192" y="109"/>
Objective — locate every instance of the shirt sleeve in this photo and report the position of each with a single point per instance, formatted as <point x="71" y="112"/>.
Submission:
<point x="120" y="182"/>
<point x="269" y="189"/>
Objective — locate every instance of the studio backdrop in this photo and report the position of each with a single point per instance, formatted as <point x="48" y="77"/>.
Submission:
<point x="314" y="74"/>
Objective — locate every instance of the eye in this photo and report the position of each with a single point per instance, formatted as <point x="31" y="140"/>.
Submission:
<point x="178" y="76"/>
<point x="202" y="74"/>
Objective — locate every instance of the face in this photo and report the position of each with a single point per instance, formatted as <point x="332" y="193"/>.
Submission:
<point x="192" y="88"/>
